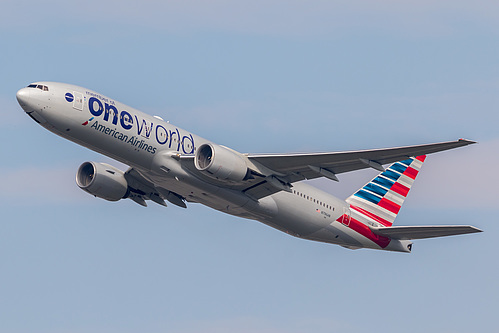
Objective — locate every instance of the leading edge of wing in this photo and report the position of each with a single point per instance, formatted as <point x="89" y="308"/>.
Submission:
<point x="340" y="162"/>
<point x="421" y="232"/>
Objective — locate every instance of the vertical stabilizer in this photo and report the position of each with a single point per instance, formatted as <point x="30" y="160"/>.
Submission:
<point x="378" y="202"/>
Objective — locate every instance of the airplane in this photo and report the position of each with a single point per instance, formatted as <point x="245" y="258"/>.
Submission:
<point x="169" y="163"/>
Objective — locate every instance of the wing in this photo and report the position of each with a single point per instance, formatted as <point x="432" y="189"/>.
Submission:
<point x="280" y="170"/>
<point x="340" y="162"/>
<point x="271" y="173"/>
<point x="140" y="190"/>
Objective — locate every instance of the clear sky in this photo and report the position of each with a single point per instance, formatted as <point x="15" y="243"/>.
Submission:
<point x="258" y="76"/>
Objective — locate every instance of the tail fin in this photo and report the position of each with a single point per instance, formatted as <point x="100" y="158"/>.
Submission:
<point x="380" y="200"/>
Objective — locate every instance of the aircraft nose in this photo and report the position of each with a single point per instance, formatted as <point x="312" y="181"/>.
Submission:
<point x="23" y="96"/>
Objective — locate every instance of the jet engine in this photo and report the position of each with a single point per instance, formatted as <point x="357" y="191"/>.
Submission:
<point x="102" y="180"/>
<point x="220" y="163"/>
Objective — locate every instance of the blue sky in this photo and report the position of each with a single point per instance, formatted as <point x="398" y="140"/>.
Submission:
<point x="258" y="76"/>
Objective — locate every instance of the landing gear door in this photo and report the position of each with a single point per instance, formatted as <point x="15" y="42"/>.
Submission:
<point x="78" y="101"/>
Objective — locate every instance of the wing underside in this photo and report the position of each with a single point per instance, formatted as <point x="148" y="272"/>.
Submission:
<point x="140" y="190"/>
<point x="421" y="232"/>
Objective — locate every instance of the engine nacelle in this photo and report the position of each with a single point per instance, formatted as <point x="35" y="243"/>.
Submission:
<point x="220" y="163"/>
<point x="102" y="180"/>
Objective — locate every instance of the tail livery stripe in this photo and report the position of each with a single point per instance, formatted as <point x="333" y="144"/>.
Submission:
<point x="399" y="167"/>
<point x="383" y="182"/>
<point x="380" y="199"/>
<point x="389" y="205"/>
<point x="407" y="162"/>
<point x="368" y="196"/>
<point x="392" y="175"/>
<point x="400" y="189"/>
<point x="376" y="189"/>
<point x="410" y="172"/>
<point x="370" y="215"/>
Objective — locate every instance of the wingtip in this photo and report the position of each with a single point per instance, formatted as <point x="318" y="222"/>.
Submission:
<point x="471" y="229"/>
<point x="475" y="229"/>
<point x="466" y="141"/>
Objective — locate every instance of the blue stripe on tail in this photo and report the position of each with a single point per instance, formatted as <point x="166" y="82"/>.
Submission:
<point x="376" y="189"/>
<point x="368" y="196"/>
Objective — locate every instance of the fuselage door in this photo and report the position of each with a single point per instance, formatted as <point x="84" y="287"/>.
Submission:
<point x="78" y="101"/>
<point x="345" y="218"/>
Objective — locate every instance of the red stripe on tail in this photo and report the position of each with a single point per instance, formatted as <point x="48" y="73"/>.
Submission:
<point x="389" y="205"/>
<point x="400" y="189"/>
<point x="411" y="172"/>
<point x="376" y="218"/>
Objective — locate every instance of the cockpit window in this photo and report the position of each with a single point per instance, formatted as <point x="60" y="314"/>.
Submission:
<point x="39" y="86"/>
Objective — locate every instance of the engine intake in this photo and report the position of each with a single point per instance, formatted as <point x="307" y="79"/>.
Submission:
<point x="102" y="180"/>
<point x="220" y="163"/>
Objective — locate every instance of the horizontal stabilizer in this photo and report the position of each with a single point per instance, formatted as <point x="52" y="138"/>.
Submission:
<point x="420" y="232"/>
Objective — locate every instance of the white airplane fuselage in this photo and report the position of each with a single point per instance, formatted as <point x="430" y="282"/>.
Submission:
<point x="152" y="147"/>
